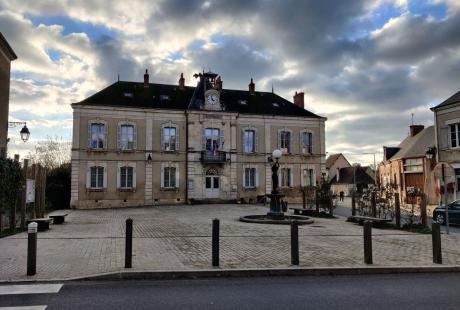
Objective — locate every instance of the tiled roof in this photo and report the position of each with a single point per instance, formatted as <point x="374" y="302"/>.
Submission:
<point x="417" y="145"/>
<point x="353" y="175"/>
<point x="6" y="48"/>
<point x="451" y="100"/>
<point x="162" y="96"/>
<point x="330" y="161"/>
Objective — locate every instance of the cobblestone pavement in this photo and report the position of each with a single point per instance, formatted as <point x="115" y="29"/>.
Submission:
<point x="179" y="238"/>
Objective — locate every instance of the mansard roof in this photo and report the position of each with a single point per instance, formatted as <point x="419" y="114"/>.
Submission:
<point x="163" y="96"/>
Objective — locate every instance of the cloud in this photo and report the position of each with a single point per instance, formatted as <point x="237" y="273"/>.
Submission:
<point x="366" y="65"/>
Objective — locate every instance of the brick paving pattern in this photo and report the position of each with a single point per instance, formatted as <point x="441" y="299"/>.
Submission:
<point x="179" y="238"/>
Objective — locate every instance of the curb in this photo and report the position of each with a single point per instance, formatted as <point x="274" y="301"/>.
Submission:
<point x="251" y="273"/>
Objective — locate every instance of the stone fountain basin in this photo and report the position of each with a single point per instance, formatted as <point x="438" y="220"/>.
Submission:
<point x="286" y="220"/>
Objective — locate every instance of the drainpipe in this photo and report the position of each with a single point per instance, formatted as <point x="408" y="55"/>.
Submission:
<point x="186" y="156"/>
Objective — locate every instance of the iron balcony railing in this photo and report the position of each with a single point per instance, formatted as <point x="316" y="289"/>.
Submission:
<point x="213" y="156"/>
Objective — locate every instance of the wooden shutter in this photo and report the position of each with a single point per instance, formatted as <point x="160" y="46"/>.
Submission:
<point x="444" y="140"/>
<point x="203" y="139"/>
<point x="88" y="177"/>
<point x="243" y="174"/>
<point x="279" y="139"/>
<point x="302" y="181"/>
<point x="104" y="182"/>
<point x="89" y="135"/>
<point x="119" y="136"/>
<point x="177" y="176"/>
<point x="291" y="178"/>
<point x="119" y="176"/>
<point x="301" y="146"/>
<point x="257" y="177"/>
<point x="256" y="141"/>
<point x="162" y="179"/>
<point x="134" y="175"/>
<point x="221" y="140"/>
<point x="177" y="138"/>
<point x="290" y="142"/>
<point x="135" y="136"/>
<point x="312" y="144"/>
<point x="243" y="140"/>
<point x="314" y="178"/>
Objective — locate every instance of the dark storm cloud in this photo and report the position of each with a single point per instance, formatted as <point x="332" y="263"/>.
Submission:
<point x="113" y="61"/>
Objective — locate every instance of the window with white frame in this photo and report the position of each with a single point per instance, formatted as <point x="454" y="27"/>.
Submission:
<point x="286" y="177"/>
<point x="96" y="177"/>
<point x="98" y="133"/>
<point x="306" y="142"/>
<point x="169" y="138"/>
<point x="413" y="165"/>
<point x="285" y="141"/>
<point x="126" y="177"/>
<point x="308" y="177"/>
<point x="454" y="135"/>
<point x="169" y="177"/>
<point x="127" y="137"/>
<point x="249" y="141"/>
<point x="250" y="177"/>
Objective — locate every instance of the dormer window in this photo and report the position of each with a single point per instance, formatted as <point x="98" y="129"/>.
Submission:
<point x="275" y="105"/>
<point x="164" y="97"/>
<point x="242" y="102"/>
<point x="128" y="95"/>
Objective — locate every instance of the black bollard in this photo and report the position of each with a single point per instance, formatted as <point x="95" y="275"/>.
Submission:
<point x="367" y="242"/>
<point x="294" y="243"/>
<point x="436" y="237"/>
<point x="129" y="244"/>
<point x="32" y="249"/>
<point x="397" y="211"/>
<point x="215" y="242"/>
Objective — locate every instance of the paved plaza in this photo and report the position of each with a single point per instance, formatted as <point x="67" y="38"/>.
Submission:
<point x="173" y="238"/>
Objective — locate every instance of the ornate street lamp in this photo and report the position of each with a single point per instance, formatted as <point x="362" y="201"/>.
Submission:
<point x="25" y="133"/>
<point x="275" y="203"/>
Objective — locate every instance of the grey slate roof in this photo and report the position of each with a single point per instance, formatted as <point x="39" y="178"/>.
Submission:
<point x="6" y="48"/>
<point x="332" y="159"/>
<point x="451" y="100"/>
<point x="179" y="99"/>
<point x="417" y="145"/>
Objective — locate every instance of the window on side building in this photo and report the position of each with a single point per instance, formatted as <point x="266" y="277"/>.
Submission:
<point x="96" y="177"/>
<point x="250" y="177"/>
<point x="169" y="138"/>
<point x="127" y="137"/>
<point x="126" y="177"/>
<point x="249" y="143"/>
<point x="98" y="135"/>
<point x="284" y="141"/>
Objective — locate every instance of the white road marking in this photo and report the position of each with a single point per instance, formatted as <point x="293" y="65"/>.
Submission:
<point x="24" y="308"/>
<point x="29" y="289"/>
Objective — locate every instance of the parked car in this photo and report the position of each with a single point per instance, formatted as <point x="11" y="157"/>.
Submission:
<point x="439" y="214"/>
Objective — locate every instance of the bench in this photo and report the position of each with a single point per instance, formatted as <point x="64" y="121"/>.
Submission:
<point x="375" y="220"/>
<point x="42" y="223"/>
<point x="58" y="218"/>
<point x="302" y="211"/>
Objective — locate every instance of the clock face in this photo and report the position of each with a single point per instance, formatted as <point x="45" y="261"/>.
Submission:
<point x="212" y="98"/>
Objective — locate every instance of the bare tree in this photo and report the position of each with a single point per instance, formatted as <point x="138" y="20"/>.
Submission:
<point x="51" y="153"/>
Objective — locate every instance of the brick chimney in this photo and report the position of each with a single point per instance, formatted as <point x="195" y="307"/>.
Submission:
<point x="181" y="81"/>
<point x="415" y="129"/>
<point x="299" y="99"/>
<point x="252" y="87"/>
<point x="146" y="78"/>
<point x="219" y="83"/>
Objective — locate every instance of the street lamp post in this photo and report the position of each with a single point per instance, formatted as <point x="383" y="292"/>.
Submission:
<point x="275" y="203"/>
<point x="25" y="133"/>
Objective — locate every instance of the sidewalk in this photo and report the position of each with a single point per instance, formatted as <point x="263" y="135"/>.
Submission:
<point x="178" y="238"/>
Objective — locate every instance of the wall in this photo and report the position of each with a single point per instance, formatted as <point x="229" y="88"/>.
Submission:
<point x="5" y="66"/>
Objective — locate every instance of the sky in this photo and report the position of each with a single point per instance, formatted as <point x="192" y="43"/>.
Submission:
<point x="367" y="66"/>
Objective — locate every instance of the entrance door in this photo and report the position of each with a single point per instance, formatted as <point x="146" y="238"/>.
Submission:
<point x="212" y="184"/>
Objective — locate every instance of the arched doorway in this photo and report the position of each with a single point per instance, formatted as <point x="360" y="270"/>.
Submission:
<point x="212" y="183"/>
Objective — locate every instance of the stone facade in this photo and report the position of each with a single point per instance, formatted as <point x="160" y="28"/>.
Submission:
<point x="447" y="126"/>
<point x="227" y="173"/>
<point x="6" y="56"/>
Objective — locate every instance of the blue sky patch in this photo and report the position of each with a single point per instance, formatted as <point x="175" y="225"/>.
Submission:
<point x="93" y="31"/>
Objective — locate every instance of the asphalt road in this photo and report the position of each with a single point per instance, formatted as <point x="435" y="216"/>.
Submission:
<point x="409" y="291"/>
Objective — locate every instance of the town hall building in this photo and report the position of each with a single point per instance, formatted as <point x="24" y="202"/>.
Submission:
<point x="142" y="144"/>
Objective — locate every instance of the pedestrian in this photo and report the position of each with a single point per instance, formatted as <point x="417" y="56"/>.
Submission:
<point x="341" y="195"/>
